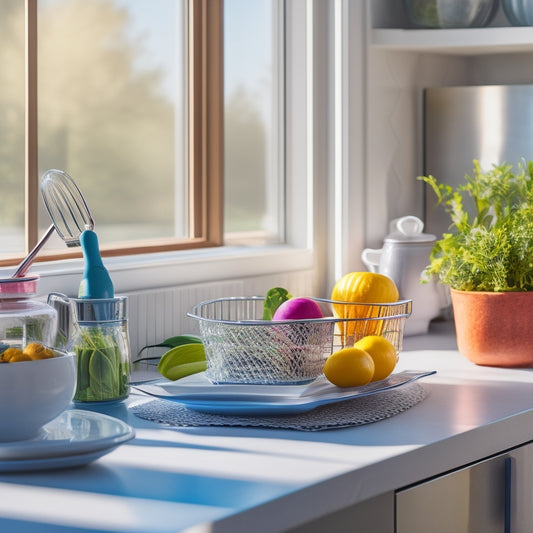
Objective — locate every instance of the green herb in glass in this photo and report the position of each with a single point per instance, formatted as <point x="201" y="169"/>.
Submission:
<point x="102" y="373"/>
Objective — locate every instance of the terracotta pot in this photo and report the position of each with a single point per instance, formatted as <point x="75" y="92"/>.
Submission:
<point x="494" y="328"/>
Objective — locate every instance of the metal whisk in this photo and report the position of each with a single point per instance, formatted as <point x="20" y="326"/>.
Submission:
<point x="68" y="210"/>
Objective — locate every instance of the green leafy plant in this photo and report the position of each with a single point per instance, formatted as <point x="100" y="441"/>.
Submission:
<point x="490" y="245"/>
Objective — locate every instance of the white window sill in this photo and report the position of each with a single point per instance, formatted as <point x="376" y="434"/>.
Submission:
<point x="151" y="271"/>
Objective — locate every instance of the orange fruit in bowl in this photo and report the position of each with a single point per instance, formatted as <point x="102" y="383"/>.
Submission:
<point x="12" y="355"/>
<point x="32" y="352"/>
<point x="358" y="295"/>
<point x="35" y="351"/>
<point x="382" y="352"/>
<point x="349" y="367"/>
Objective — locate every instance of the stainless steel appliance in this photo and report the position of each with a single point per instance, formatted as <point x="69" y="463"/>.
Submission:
<point x="492" y="123"/>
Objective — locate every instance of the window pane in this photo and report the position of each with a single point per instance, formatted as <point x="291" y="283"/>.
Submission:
<point x="111" y="111"/>
<point x="12" y="127"/>
<point x="252" y="75"/>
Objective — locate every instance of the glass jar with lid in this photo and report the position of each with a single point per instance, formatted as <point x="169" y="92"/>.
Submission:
<point x="24" y="319"/>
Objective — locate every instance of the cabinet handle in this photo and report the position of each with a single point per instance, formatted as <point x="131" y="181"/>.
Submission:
<point x="508" y="472"/>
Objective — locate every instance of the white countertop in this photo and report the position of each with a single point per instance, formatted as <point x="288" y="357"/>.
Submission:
<point x="224" y="479"/>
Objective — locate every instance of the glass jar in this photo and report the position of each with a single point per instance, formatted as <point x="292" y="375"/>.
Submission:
<point x="23" y="319"/>
<point x="97" y="331"/>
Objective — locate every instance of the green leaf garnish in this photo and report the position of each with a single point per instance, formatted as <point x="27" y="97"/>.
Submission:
<point x="274" y="298"/>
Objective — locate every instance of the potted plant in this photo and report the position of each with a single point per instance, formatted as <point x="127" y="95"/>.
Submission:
<point x="487" y="261"/>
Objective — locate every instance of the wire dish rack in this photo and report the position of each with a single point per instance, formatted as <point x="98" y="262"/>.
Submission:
<point x="240" y="347"/>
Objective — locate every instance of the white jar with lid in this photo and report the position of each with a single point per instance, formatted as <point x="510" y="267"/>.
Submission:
<point x="403" y="258"/>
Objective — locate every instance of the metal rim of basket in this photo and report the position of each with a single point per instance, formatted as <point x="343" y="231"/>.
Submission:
<point x="193" y="313"/>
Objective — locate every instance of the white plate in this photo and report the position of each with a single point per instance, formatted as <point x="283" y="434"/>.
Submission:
<point x="74" y="433"/>
<point x="51" y="463"/>
<point x="197" y="393"/>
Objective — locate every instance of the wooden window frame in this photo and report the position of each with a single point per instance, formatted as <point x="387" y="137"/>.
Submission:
<point x="205" y="104"/>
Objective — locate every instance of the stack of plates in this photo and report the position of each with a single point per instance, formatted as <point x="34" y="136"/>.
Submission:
<point x="197" y="393"/>
<point x="74" y="438"/>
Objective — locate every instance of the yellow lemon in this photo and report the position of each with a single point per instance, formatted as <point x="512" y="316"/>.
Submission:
<point x="382" y="352"/>
<point x="358" y="288"/>
<point x="349" y="367"/>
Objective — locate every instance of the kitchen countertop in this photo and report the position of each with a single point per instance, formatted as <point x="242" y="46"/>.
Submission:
<point x="225" y="479"/>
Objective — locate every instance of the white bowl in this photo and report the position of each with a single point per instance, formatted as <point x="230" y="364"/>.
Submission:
<point x="33" y="393"/>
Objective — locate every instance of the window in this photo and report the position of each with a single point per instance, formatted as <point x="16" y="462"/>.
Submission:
<point x="133" y="99"/>
<point x="12" y="126"/>
<point x="253" y="126"/>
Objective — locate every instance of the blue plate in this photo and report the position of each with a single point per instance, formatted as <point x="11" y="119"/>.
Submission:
<point x="198" y="394"/>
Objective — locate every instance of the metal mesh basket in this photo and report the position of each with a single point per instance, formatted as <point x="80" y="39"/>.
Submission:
<point x="240" y="347"/>
<point x="353" y="321"/>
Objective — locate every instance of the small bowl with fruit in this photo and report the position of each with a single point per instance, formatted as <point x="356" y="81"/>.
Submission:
<point x="280" y="339"/>
<point x="37" y="384"/>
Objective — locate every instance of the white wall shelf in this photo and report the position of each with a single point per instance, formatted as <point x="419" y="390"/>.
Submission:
<point x="463" y="42"/>
<point x="401" y="62"/>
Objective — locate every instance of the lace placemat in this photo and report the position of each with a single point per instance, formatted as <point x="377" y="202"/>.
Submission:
<point x="347" y="413"/>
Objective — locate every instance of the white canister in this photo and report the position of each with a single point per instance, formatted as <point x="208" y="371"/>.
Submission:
<point x="403" y="258"/>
